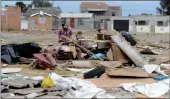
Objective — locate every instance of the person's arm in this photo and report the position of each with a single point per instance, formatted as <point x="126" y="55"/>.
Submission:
<point x="59" y="34"/>
<point x="70" y="34"/>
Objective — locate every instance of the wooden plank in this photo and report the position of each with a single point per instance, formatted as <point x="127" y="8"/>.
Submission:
<point x="93" y="40"/>
<point x="127" y="72"/>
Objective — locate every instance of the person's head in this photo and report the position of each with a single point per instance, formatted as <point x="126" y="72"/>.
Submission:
<point x="63" y="25"/>
<point x="65" y="28"/>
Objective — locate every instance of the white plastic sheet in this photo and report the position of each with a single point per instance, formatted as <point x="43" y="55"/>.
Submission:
<point x="167" y="66"/>
<point x="153" y="67"/>
<point x="151" y="90"/>
<point x="84" y="89"/>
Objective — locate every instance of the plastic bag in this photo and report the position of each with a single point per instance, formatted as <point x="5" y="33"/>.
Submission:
<point x="47" y="82"/>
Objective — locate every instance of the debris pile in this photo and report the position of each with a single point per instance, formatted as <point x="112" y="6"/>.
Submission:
<point x="112" y="62"/>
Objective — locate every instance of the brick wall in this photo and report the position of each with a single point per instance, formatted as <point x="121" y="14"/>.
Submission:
<point x="40" y="26"/>
<point x="12" y="19"/>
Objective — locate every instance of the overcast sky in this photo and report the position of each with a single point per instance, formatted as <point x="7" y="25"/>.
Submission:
<point x="128" y="7"/>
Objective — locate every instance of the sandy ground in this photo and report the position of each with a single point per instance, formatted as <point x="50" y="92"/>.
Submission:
<point x="45" y="39"/>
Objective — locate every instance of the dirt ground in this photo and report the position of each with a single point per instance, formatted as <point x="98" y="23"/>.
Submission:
<point x="45" y="39"/>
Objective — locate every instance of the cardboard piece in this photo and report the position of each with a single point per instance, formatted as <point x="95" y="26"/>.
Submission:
<point x="113" y="82"/>
<point x="118" y="54"/>
<point x="110" y="55"/>
<point x="127" y="72"/>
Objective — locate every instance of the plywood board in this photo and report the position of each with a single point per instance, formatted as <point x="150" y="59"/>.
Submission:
<point x="127" y="72"/>
<point x="113" y="82"/>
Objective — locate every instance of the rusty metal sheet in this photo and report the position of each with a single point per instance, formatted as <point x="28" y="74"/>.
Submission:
<point x="127" y="72"/>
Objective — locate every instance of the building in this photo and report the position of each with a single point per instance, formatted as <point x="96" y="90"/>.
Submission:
<point x="11" y="18"/>
<point x="101" y="11"/>
<point x="78" y="20"/>
<point x="42" y="18"/>
<point x="141" y="24"/>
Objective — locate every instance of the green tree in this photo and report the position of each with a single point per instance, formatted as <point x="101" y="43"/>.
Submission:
<point x="164" y="8"/>
<point x="40" y="3"/>
<point x="22" y="5"/>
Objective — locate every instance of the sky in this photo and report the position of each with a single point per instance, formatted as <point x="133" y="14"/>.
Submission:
<point x="128" y="7"/>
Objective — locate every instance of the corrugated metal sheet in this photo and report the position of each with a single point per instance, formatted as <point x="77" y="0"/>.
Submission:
<point x="76" y="15"/>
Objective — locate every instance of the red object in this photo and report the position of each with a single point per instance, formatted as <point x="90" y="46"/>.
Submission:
<point x="72" y="22"/>
<point x="41" y="61"/>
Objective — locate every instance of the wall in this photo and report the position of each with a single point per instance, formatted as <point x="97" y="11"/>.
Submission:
<point x="24" y="24"/>
<point x="162" y="29"/>
<point x="151" y="27"/>
<point x="143" y="29"/>
<point x="12" y="19"/>
<point x="39" y="26"/>
<point x="117" y="12"/>
<point x="88" y="23"/>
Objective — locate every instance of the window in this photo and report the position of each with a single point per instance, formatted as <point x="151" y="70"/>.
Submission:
<point x="80" y="21"/>
<point x="113" y="13"/>
<point x="142" y="23"/>
<point x="160" y="23"/>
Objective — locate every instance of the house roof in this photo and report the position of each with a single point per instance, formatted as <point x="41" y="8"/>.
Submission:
<point x="94" y="5"/>
<point x="55" y="11"/>
<point x="76" y="15"/>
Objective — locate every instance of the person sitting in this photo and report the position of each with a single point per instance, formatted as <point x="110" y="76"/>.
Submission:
<point x="66" y="31"/>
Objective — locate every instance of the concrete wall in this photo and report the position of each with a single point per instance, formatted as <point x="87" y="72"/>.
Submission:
<point x="162" y="29"/>
<point x="88" y="23"/>
<point x="117" y="12"/>
<point x="24" y="24"/>
<point x="143" y="29"/>
<point x="150" y="27"/>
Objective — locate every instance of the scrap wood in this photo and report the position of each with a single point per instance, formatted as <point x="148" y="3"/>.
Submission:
<point x="82" y="48"/>
<point x="93" y="40"/>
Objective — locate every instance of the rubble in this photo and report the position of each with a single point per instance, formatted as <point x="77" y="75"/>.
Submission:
<point x="110" y="62"/>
